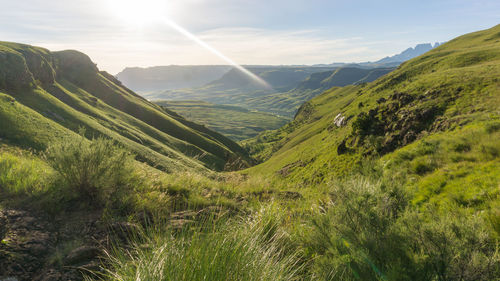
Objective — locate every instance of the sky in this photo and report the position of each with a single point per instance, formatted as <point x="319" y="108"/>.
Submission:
<point x="127" y="33"/>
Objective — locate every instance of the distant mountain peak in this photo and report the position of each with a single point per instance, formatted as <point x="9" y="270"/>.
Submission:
<point x="410" y="53"/>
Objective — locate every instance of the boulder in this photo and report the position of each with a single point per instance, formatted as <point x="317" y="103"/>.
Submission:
<point x="340" y="120"/>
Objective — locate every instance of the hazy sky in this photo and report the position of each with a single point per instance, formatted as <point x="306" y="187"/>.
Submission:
<point x="247" y="31"/>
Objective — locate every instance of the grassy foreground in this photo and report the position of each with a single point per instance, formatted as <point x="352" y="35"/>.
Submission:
<point x="364" y="227"/>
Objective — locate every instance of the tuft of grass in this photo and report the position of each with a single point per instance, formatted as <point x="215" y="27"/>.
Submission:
<point x="217" y="249"/>
<point x="23" y="175"/>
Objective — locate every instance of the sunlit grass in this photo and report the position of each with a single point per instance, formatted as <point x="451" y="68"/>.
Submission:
<point x="251" y="248"/>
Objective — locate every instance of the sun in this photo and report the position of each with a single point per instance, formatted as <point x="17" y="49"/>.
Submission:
<point x="139" y="12"/>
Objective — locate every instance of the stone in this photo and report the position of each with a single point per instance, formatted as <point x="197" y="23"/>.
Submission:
<point x="340" y="120"/>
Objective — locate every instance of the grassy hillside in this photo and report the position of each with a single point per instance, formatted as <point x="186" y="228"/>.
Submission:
<point x="450" y="93"/>
<point x="234" y="122"/>
<point x="67" y="88"/>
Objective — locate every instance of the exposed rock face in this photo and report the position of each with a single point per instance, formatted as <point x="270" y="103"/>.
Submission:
<point x="75" y="66"/>
<point x="14" y="73"/>
<point x="409" y="53"/>
<point x="395" y="122"/>
<point x="25" y="67"/>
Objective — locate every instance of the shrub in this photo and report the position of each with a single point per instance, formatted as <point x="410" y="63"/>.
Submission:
<point x="370" y="232"/>
<point x="95" y="170"/>
<point x="363" y="124"/>
<point x="352" y="237"/>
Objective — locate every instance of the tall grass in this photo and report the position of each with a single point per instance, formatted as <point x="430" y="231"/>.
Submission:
<point x="242" y="249"/>
<point x="23" y="175"/>
<point x="369" y="231"/>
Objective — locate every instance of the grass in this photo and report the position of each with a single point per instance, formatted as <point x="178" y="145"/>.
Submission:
<point x="456" y="93"/>
<point x="460" y="167"/>
<point x="217" y="249"/>
<point x="370" y="231"/>
<point x="22" y="173"/>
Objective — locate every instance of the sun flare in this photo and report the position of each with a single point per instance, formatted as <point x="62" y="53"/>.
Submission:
<point x="139" y="12"/>
<point x="144" y="12"/>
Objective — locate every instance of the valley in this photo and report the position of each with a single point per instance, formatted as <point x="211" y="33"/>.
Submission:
<point x="289" y="87"/>
<point x="234" y="122"/>
<point x="387" y="170"/>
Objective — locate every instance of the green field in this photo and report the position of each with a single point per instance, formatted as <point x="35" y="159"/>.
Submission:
<point x="234" y="122"/>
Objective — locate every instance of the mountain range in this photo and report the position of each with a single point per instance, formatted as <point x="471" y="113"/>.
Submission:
<point x="158" y="78"/>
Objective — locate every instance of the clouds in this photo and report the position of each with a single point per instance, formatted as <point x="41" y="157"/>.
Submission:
<point x="244" y="45"/>
<point x="247" y="31"/>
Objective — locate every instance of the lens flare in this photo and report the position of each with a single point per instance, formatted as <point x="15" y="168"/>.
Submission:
<point x="214" y="51"/>
<point x="151" y="11"/>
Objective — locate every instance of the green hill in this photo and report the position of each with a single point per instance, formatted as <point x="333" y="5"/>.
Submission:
<point x="234" y="122"/>
<point x="435" y="117"/>
<point x="42" y="88"/>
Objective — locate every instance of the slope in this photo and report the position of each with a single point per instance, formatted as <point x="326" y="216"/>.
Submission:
<point x="434" y="121"/>
<point x="67" y="88"/>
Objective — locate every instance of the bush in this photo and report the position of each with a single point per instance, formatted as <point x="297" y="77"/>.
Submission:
<point x="95" y="170"/>
<point x="370" y="232"/>
<point x="352" y="237"/>
<point x="364" y="124"/>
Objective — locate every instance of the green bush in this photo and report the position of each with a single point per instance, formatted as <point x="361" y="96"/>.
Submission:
<point x="96" y="170"/>
<point x="352" y="237"/>
<point x="370" y="232"/>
